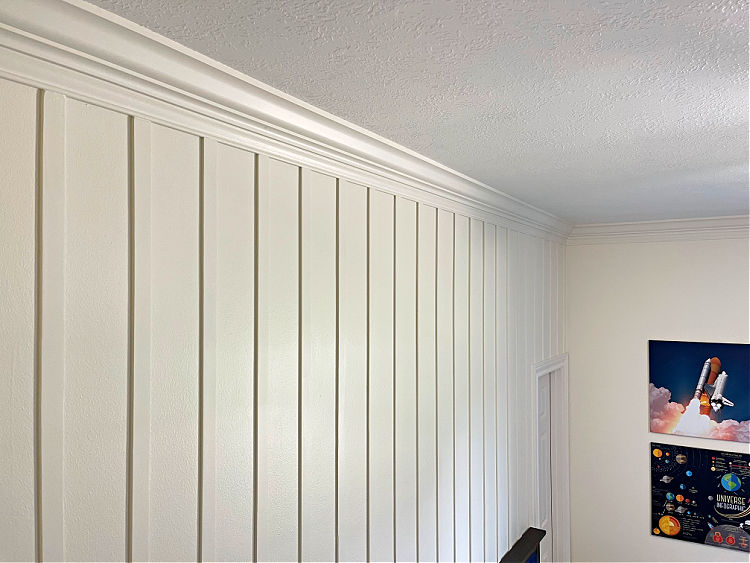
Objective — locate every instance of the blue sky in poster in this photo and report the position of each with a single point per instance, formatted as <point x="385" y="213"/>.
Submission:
<point x="677" y="366"/>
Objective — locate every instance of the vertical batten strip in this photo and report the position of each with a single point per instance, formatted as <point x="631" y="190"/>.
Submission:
<point x="140" y="401"/>
<point x="476" y="389"/>
<point x="444" y="396"/>
<point x="207" y="449"/>
<point x="300" y="303"/>
<point x="437" y="397"/>
<point x="528" y="489"/>
<point x="416" y="372"/>
<point x="393" y="374"/>
<point x="512" y="351"/>
<point x="38" y="326"/>
<point x="546" y="324"/>
<point x="52" y="336"/>
<point x="336" y="423"/>
<point x="405" y="386"/>
<point x="501" y="405"/>
<point x="554" y="302"/>
<point x="490" y="395"/>
<point x="461" y="387"/>
<point x="562" y="339"/>
<point x="367" y="381"/>
<point x="131" y="334"/>
<point x="256" y="232"/>
<point x="453" y="381"/>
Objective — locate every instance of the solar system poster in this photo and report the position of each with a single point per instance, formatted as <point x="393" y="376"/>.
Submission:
<point x="700" y="389"/>
<point x="700" y="496"/>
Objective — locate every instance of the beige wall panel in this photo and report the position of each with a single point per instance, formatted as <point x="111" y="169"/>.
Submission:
<point x="513" y="379"/>
<point x="406" y="381"/>
<point x="278" y="360"/>
<point x="51" y="331"/>
<point x="141" y="344"/>
<point x="380" y="392"/>
<point x="554" y="288"/>
<point x="476" y="388"/>
<point x="18" y="122"/>
<point x="502" y="362"/>
<point x="524" y="416"/>
<point x="318" y="486"/>
<point x="546" y="300"/>
<point x="235" y="216"/>
<point x="174" y="345"/>
<point x="562" y="292"/>
<point x="539" y="300"/>
<point x="490" y="398"/>
<point x="352" y="431"/>
<point x="461" y="386"/>
<point x="96" y="333"/>
<point x="444" y="320"/>
<point x="426" y="383"/>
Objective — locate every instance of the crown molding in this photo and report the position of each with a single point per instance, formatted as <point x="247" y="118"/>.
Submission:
<point x="90" y="54"/>
<point x="710" y="228"/>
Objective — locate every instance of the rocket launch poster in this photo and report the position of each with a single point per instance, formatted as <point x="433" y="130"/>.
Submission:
<point x="700" y="496"/>
<point x="700" y="389"/>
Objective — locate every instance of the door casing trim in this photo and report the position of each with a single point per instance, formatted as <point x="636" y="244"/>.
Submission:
<point x="557" y="369"/>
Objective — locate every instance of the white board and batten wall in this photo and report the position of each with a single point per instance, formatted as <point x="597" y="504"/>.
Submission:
<point x="215" y="352"/>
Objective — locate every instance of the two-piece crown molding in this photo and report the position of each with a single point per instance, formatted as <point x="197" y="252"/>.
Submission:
<point x="90" y="54"/>
<point x="710" y="228"/>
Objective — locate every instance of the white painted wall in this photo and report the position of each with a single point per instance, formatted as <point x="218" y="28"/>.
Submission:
<point x="619" y="297"/>
<point x="241" y="356"/>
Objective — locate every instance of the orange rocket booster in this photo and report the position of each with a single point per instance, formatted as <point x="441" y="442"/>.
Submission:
<point x="710" y="371"/>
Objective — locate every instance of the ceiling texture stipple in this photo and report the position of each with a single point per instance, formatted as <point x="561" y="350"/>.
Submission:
<point x="594" y="110"/>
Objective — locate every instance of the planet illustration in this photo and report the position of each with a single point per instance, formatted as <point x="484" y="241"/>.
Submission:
<point x="669" y="525"/>
<point x="731" y="482"/>
<point x="681" y="458"/>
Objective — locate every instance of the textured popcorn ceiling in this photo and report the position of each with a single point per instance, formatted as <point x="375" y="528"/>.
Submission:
<point x="593" y="110"/>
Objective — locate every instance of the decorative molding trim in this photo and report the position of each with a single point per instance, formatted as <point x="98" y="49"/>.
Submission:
<point x="559" y="451"/>
<point x="90" y="54"/>
<point x="710" y="228"/>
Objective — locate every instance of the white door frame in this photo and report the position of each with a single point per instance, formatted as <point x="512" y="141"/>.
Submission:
<point x="557" y="369"/>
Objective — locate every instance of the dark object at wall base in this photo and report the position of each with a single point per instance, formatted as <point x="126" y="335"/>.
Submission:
<point x="526" y="548"/>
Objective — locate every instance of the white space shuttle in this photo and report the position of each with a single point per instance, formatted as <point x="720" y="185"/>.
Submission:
<point x="710" y="388"/>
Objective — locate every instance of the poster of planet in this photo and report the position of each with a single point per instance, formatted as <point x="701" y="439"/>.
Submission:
<point x="700" y="389"/>
<point x="700" y="496"/>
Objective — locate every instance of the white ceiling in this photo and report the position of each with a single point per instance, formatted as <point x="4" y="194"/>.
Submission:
<point x="593" y="110"/>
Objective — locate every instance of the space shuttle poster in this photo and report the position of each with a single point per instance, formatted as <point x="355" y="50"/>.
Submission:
<point x="700" y="389"/>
